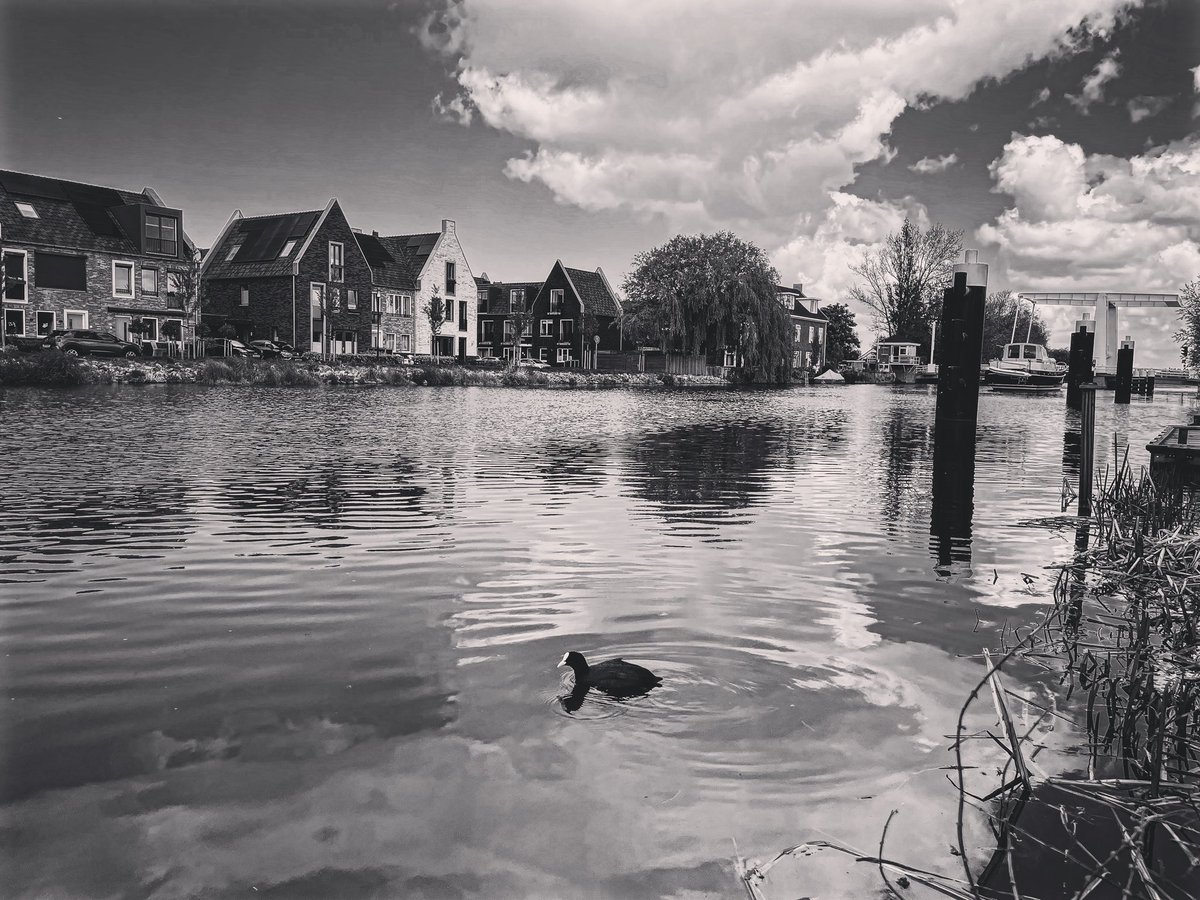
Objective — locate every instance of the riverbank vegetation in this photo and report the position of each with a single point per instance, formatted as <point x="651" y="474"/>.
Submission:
<point x="700" y="294"/>
<point x="1122" y="638"/>
<point x="57" y="369"/>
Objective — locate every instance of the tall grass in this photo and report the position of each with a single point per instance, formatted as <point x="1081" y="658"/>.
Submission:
<point x="43" y="368"/>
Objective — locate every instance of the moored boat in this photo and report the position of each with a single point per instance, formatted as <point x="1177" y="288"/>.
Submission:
<point x="1025" y="367"/>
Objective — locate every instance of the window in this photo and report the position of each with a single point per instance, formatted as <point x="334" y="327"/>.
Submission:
<point x="451" y="283"/>
<point x="516" y="300"/>
<point x="556" y="300"/>
<point x="27" y="210"/>
<point x="405" y="305"/>
<point x="150" y="281"/>
<point x="389" y="303"/>
<point x="799" y="332"/>
<point x="1030" y="351"/>
<point x="57" y="270"/>
<point x="351" y="299"/>
<point x="449" y="310"/>
<point x="542" y="353"/>
<point x="172" y="329"/>
<point x="160" y="235"/>
<point x="15" y="287"/>
<point x="481" y="299"/>
<point x="122" y="273"/>
<point x="406" y="343"/>
<point x="489" y="330"/>
<point x="563" y="355"/>
<point x="462" y="315"/>
<point x="75" y="319"/>
<point x="487" y="353"/>
<point x="316" y="294"/>
<point x="389" y="341"/>
<point x="508" y="330"/>
<point x="336" y="269"/>
<point x="527" y="329"/>
<point x="287" y="249"/>
<point x="174" y="290"/>
<point x="567" y="329"/>
<point x="730" y="359"/>
<point x="14" y="322"/>
<point x="233" y="249"/>
<point x="45" y="323"/>
<point x="245" y="296"/>
<point x="546" y="328"/>
<point x="376" y="302"/>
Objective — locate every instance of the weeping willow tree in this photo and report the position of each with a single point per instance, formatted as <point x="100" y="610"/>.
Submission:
<point x="706" y="293"/>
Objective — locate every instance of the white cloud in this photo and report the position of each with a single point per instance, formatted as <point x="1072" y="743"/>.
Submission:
<point x="931" y="165"/>
<point x="1042" y="96"/>
<point x="1093" y="86"/>
<point x="1146" y="107"/>
<point x="1196" y="78"/>
<point x="742" y="115"/>
<point x="1096" y="222"/>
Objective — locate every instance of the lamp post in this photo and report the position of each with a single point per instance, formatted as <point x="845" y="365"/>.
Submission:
<point x="596" y="351"/>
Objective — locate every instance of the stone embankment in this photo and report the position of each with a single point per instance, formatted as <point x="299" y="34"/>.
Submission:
<point x="55" y="369"/>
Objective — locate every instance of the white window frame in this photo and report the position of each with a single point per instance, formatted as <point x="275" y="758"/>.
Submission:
<point x="20" y="333"/>
<point x="562" y="329"/>
<point x="542" y="353"/>
<point x="167" y="321"/>
<point x="556" y="300"/>
<point x="25" y="277"/>
<point x="510" y="330"/>
<point x="389" y="341"/>
<point x="157" y="328"/>
<point x="512" y="298"/>
<point x="288" y="247"/>
<point x="481" y="298"/>
<point x="730" y="359"/>
<point x="545" y="328"/>
<point x="389" y="303"/>
<point x="157" y="280"/>
<point x="312" y="300"/>
<point x="406" y="305"/>
<point x="243" y="295"/>
<point x="563" y="355"/>
<point x="26" y="209"/>
<point x="487" y="353"/>
<point x="122" y="263"/>
<point x="406" y="343"/>
<point x="45" y="312"/>
<point x="488" y="331"/>
<point x="76" y="312"/>
<point x="233" y="251"/>
<point x="351" y="298"/>
<point x="341" y="263"/>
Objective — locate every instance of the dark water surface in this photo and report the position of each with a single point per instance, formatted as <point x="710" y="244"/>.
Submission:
<point x="302" y="643"/>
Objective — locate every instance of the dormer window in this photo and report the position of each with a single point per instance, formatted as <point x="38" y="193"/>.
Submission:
<point x="287" y="249"/>
<point x="516" y="300"/>
<point x="161" y="235"/>
<point x="27" y="210"/>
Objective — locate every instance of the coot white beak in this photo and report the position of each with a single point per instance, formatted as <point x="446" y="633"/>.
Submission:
<point x="562" y="662"/>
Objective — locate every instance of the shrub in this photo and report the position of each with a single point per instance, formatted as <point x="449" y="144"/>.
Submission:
<point x="43" y="368"/>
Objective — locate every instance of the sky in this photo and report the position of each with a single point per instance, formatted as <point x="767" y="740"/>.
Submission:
<point x="1061" y="136"/>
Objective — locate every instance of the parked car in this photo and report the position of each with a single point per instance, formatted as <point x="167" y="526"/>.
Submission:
<point x="224" y="347"/>
<point x="95" y="343"/>
<point x="532" y="364"/>
<point x="271" y="350"/>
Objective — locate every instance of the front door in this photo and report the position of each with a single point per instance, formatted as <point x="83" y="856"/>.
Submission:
<point x="14" y="322"/>
<point x="75" y="320"/>
<point x="462" y="347"/>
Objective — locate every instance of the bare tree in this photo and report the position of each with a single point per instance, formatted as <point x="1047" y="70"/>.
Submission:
<point x="190" y="290"/>
<point x="434" y="312"/>
<point x="902" y="282"/>
<point x="521" y="317"/>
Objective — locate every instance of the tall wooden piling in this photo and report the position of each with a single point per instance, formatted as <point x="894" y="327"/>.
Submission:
<point x="1124" y="371"/>
<point x="1079" y="366"/>
<point x="1087" y="446"/>
<point x="962" y="342"/>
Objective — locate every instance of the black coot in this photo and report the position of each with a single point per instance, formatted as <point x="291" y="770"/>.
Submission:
<point x="614" y="677"/>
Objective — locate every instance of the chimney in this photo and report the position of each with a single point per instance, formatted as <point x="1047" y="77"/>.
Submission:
<point x="798" y="286"/>
<point x="374" y="233"/>
<point x="447" y="226"/>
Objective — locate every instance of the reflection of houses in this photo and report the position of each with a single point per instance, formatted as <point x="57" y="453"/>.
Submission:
<point x="808" y="351"/>
<point x="295" y="277"/>
<point x="78" y="256"/>
<point x="440" y="274"/>
<point x="497" y="302"/>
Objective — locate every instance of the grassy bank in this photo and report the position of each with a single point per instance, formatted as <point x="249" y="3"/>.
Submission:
<point x="57" y="369"/>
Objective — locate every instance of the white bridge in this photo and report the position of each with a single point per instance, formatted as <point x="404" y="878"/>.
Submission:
<point x="1105" y="303"/>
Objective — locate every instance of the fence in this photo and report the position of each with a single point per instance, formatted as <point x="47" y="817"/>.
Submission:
<point x="657" y="362"/>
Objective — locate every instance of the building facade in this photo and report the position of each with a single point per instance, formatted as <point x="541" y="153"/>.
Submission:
<point x="576" y="314"/>
<point x="392" y="289"/>
<point x="301" y="278"/>
<point x="497" y="330"/>
<point x="441" y="278"/>
<point x="810" y="324"/>
<point x="79" y="256"/>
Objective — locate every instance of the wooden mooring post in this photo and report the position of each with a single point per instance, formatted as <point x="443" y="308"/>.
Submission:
<point x="1087" y="446"/>
<point x="1124" y="385"/>
<point x="962" y="342"/>
<point x="1079" y="367"/>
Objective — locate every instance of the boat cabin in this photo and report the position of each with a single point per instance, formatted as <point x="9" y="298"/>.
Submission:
<point x="1026" y="351"/>
<point x="897" y="354"/>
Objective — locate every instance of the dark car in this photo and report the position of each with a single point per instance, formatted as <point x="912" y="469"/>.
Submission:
<point x="95" y="343"/>
<point x="228" y="347"/>
<point x="271" y="349"/>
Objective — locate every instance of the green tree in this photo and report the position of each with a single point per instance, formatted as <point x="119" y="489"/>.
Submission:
<point x="999" y="311"/>
<point x="841" y="335"/>
<point x="703" y="293"/>
<point x="434" y="312"/>
<point x="1188" y="336"/>
<point x="902" y="281"/>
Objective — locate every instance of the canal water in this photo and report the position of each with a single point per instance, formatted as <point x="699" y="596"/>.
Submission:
<point x="302" y="643"/>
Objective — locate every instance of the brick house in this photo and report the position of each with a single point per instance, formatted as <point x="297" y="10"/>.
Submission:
<point x="79" y="256"/>
<point x="497" y="301"/>
<point x="569" y="302"/>
<point x="439" y="271"/>
<point x="392" y="289"/>
<point x="810" y="323"/>
<point x="297" y="277"/>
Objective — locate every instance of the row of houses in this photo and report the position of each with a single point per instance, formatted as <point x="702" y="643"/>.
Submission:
<point x="79" y="256"/>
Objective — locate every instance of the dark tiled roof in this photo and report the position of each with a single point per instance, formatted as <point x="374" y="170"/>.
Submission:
<point x="259" y="240"/>
<point x="70" y="214"/>
<point x="412" y="250"/>
<point x="797" y="309"/>
<point x="498" y="294"/>
<point x="386" y="269"/>
<point x="481" y="282"/>
<point x="593" y="291"/>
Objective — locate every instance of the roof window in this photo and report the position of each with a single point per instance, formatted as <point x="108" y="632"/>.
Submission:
<point x="287" y="249"/>
<point x="27" y="210"/>
<point x="233" y="251"/>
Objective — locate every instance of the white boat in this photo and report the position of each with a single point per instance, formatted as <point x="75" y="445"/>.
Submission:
<point x="1024" y="366"/>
